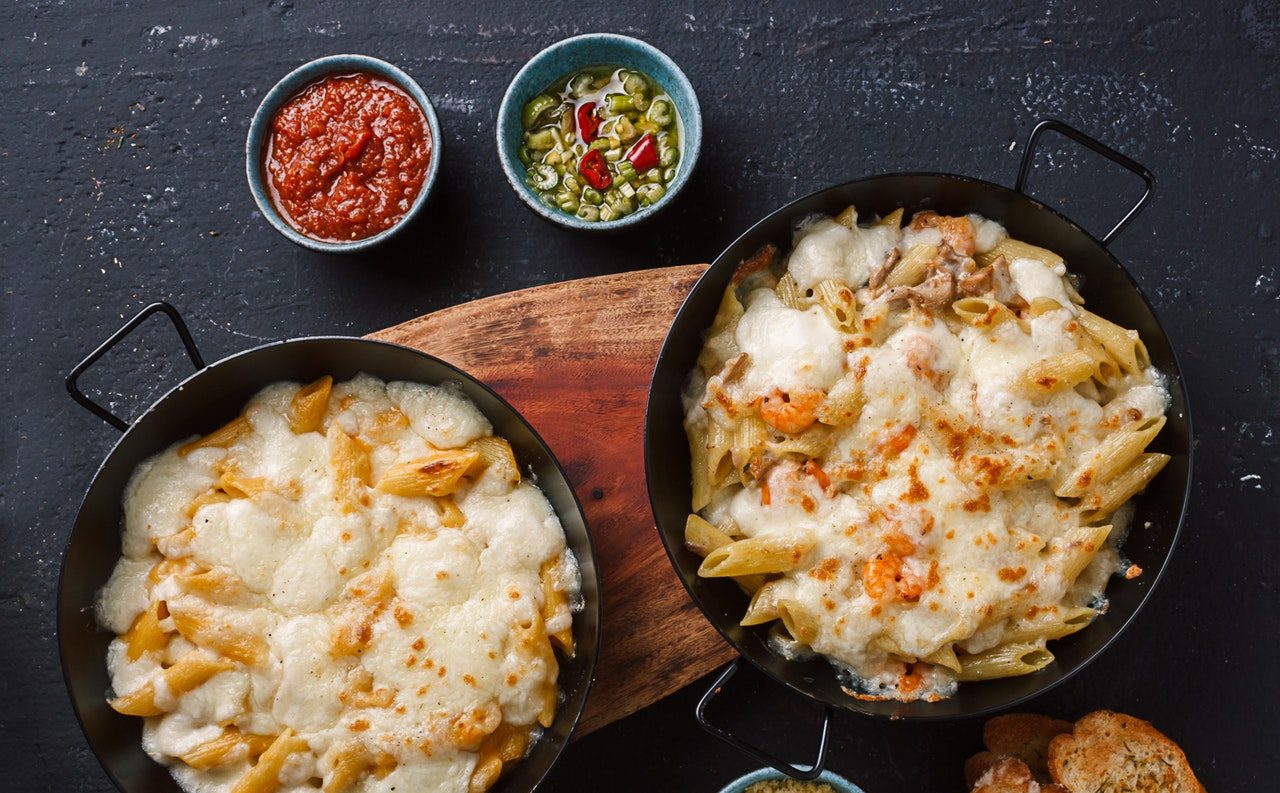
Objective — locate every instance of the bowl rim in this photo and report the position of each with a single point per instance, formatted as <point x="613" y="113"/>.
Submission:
<point x="831" y="778"/>
<point x="689" y="156"/>
<point x="289" y="86"/>
<point x="1177" y="379"/>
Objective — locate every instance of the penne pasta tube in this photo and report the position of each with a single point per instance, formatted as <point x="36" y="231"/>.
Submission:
<point x="349" y="762"/>
<point x="191" y="670"/>
<point x="556" y="603"/>
<point x="1048" y="624"/>
<point x="982" y="312"/>
<point x="451" y="515"/>
<point x="435" y="475"/>
<point x="848" y="217"/>
<point x="838" y="301"/>
<point x="220" y="438"/>
<point x="1121" y="343"/>
<point x="1105" y="498"/>
<point x="702" y="538"/>
<point x="1012" y="249"/>
<point x="763" y="607"/>
<point x="1005" y="660"/>
<point x="893" y="220"/>
<point x="912" y="267"/>
<point x="495" y="453"/>
<point x="351" y="468"/>
<point x="308" y="406"/>
<point x="765" y="554"/>
<point x="1048" y="376"/>
<point x="1043" y="305"/>
<point x="264" y="777"/>
<point x="701" y="479"/>
<point x="720" y="446"/>
<point x="1078" y="547"/>
<point x="1116" y="452"/>
<point x="789" y="292"/>
<point x="843" y="404"/>
<point x="146" y="634"/>
<point x="945" y="657"/>
<point x="721" y="344"/>
<point x="797" y="621"/>
<point x="200" y="628"/>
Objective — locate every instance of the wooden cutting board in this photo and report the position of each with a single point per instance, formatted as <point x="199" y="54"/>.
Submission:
<point x="575" y="358"/>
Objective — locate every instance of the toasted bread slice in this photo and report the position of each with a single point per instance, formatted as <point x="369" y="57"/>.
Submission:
<point x="1011" y="775"/>
<point x="1114" y="753"/>
<point x="1025" y="736"/>
<point x="978" y="765"/>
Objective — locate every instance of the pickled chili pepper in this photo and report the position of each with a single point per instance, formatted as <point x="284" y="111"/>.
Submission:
<point x="644" y="155"/>
<point x="595" y="170"/>
<point x="588" y="122"/>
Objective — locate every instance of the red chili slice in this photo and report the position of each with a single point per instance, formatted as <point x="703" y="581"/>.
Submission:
<point x="588" y="124"/>
<point x="644" y="155"/>
<point x="595" y="170"/>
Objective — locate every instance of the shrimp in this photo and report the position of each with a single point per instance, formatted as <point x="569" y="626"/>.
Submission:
<point x="887" y="574"/>
<point x="792" y="412"/>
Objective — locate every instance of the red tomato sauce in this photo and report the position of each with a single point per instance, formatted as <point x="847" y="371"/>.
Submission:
<point x="347" y="157"/>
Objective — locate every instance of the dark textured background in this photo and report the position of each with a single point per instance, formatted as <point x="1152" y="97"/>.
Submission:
<point x="121" y="181"/>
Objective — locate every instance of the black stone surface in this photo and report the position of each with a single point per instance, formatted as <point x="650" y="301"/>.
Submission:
<point x="121" y="181"/>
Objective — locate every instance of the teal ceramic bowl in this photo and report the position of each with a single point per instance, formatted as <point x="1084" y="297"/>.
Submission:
<point x="836" y="781"/>
<point x="579" y="52"/>
<point x="283" y="91"/>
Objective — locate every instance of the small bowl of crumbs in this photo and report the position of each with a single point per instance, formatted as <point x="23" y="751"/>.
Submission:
<point x="767" y="780"/>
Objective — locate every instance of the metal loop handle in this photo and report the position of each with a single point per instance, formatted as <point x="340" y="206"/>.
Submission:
<point x="1028" y="156"/>
<point x="125" y="330"/>
<point x="802" y="772"/>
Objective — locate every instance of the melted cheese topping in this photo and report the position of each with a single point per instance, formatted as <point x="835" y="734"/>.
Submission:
<point x="931" y="517"/>
<point x="380" y="629"/>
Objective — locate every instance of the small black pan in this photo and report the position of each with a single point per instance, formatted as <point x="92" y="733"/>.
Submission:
<point x="210" y="398"/>
<point x="1109" y="291"/>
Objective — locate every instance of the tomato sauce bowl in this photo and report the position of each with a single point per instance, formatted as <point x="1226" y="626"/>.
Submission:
<point x="342" y="153"/>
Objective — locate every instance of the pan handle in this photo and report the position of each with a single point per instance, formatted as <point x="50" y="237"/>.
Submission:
<point x="98" y="410"/>
<point x="1028" y="155"/>
<point x="802" y="772"/>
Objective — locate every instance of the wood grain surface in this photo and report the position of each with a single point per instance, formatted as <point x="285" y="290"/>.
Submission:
<point x="575" y="358"/>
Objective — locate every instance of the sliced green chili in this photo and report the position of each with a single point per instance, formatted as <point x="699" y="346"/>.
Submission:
<point x="660" y="112"/>
<point x="536" y="107"/>
<point x="543" y="176"/>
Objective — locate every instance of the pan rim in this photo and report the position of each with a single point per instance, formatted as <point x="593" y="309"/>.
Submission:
<point x="593" y="662"/>
<point x="851" y="704"/>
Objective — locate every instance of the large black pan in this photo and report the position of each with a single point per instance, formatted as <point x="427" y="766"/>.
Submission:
<point x="1109" y="291"/>
<point x="211" y="397"/>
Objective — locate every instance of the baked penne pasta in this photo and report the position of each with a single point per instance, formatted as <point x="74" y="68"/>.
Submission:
<point x="913" y="442"/>
<point x="364" y="575"/>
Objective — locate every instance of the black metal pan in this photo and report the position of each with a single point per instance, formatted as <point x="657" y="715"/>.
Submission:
<point x="204" y="401"/>
<point x="1109" y="291"/>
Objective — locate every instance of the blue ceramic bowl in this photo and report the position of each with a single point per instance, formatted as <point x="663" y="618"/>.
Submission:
<point x="579" y="52"/>
<point x="836" y="781"/>
<point x="283" y="91"/>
